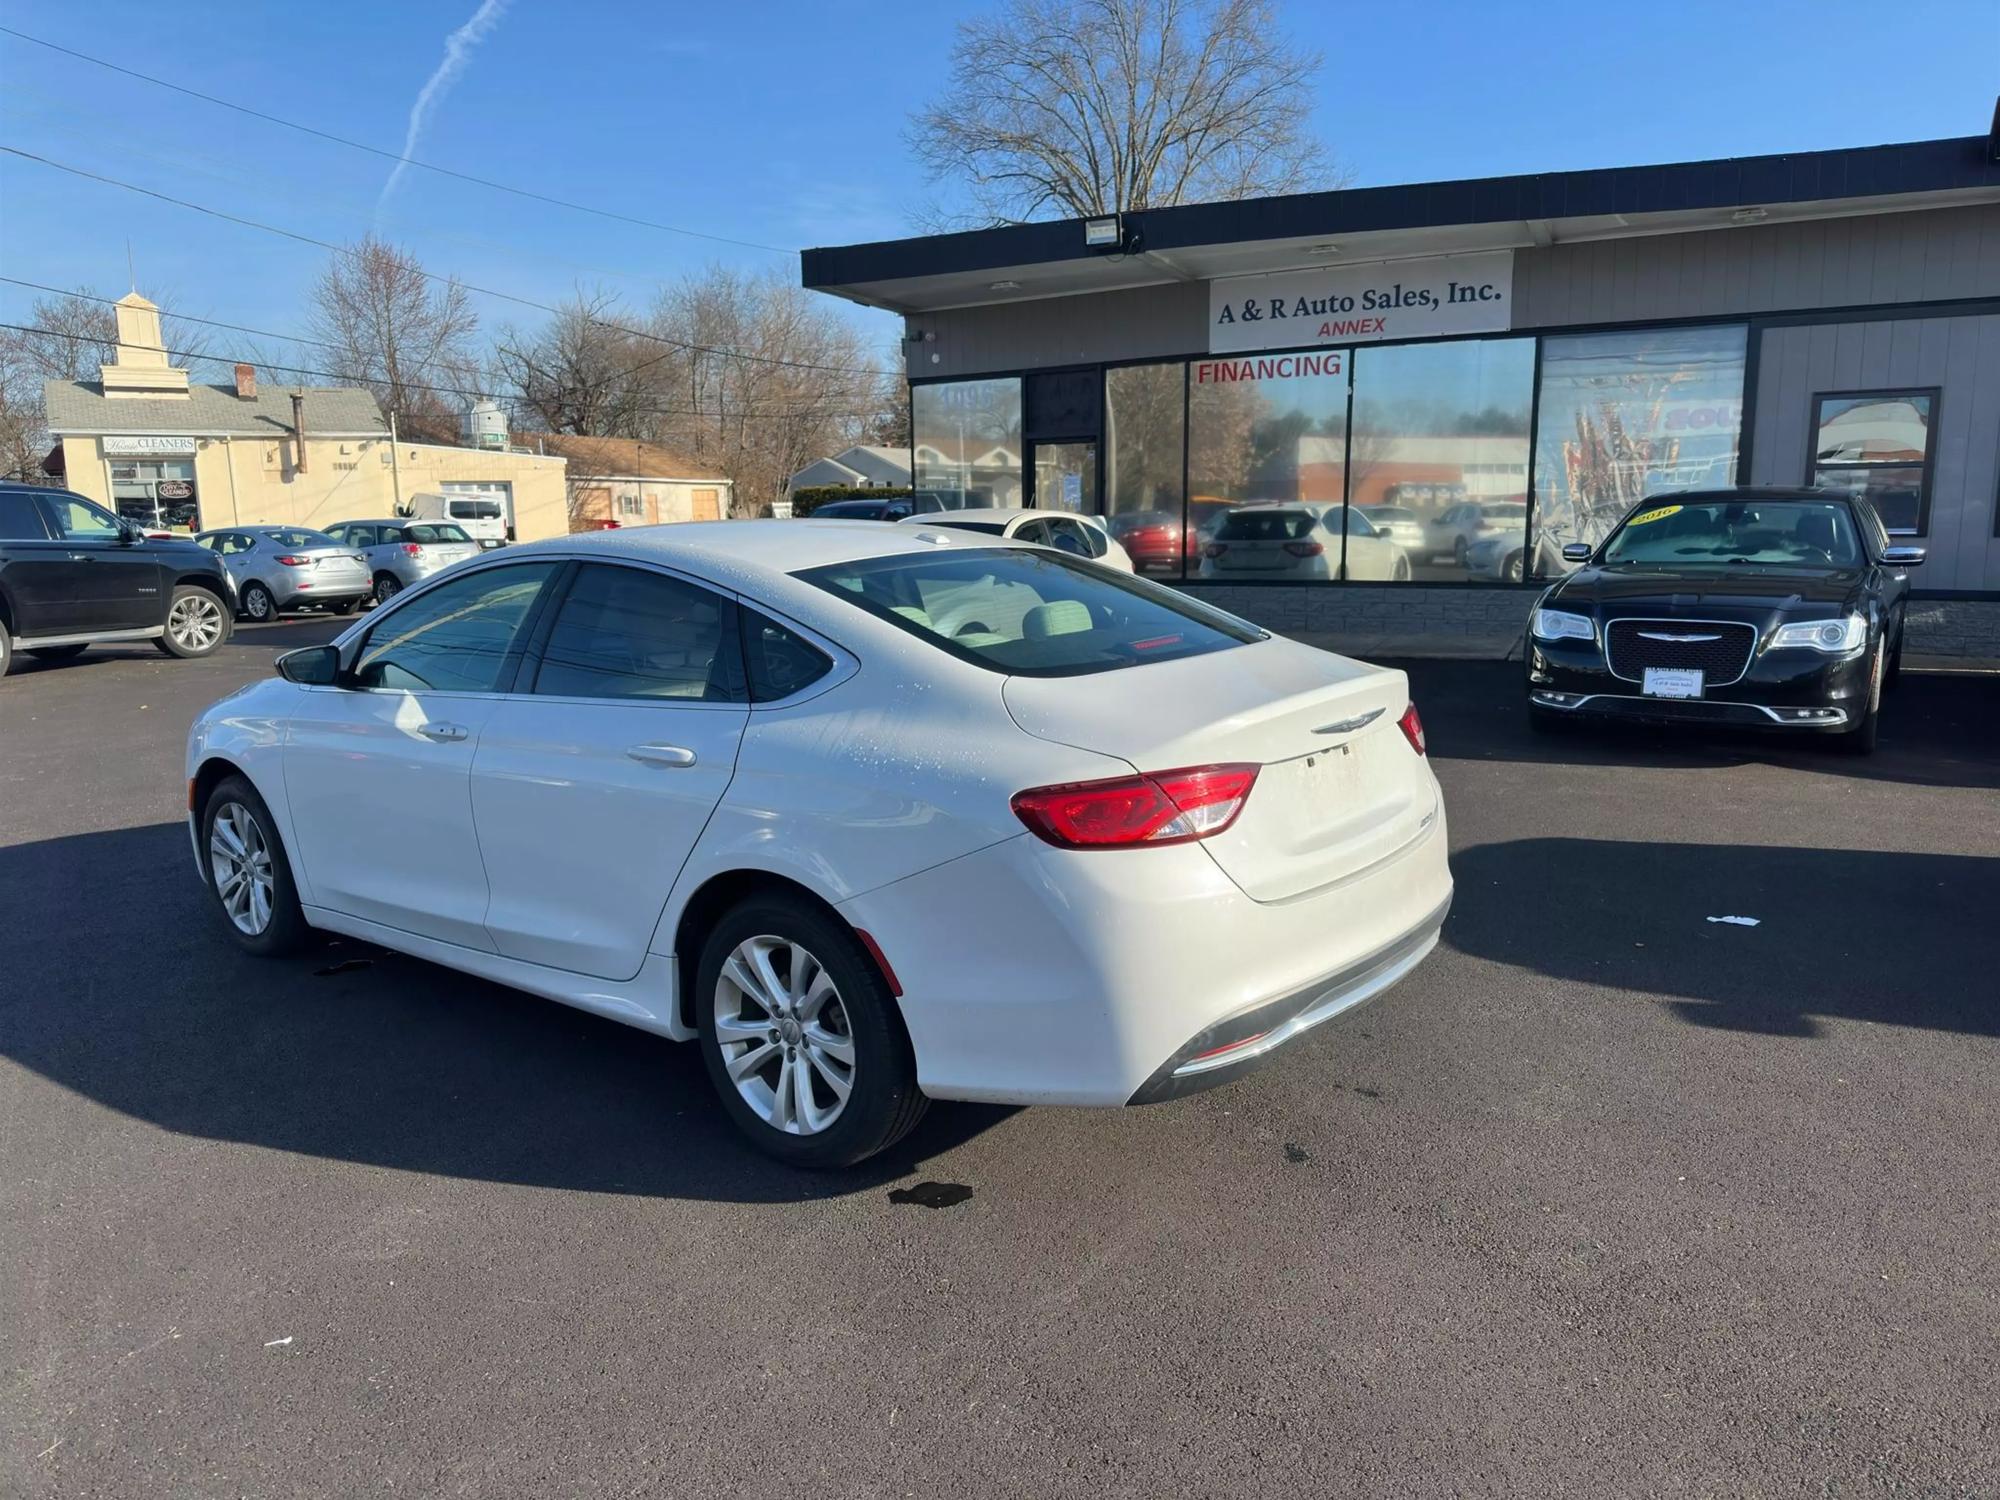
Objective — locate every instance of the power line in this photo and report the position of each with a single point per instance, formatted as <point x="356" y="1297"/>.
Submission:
<point x="297" y="338"/>
<point x="306" y="239"/>
<point x="721" y="414"/>
<point x="387" y="155"/>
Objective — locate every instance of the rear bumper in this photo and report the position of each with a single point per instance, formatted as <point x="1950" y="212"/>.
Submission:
<point x="1079" y="977"/>
<point x="1233" y="1046"/>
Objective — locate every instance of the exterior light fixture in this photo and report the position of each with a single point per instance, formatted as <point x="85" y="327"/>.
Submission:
<point x="1103" y="234"/>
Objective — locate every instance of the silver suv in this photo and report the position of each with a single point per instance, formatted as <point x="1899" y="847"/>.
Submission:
<point x="400" y="553"/>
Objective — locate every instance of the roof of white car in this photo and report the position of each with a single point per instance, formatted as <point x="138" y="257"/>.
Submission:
<point x="751" y="552"/>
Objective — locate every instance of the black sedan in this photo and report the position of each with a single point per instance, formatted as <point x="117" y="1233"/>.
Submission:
<point x="1760" y="608"/>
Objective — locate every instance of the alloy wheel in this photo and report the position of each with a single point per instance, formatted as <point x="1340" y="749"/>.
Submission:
<point x="257" y="603"/>
<point x="195" y="622"/>
<point x="241" y="863"/>
<point x="784" y="1035"/>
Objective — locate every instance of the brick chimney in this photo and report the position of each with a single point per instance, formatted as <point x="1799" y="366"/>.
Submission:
<point x="246" y="382"/>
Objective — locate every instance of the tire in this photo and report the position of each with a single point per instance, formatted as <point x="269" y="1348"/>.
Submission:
<point x="1511" y="570"/>
<point x="1459" y="552"/>
<point x="58" y="653"/>
<point x="6" y="647"/>
<point x="249" y="826"/>
<point x="1860" y="740"/>
<point x="387" y="586"/>
<point x="258" y="604"/>
<point x="345" y="607"/>
<point x="1399" y="572"/>
<point x="197" y="623"/>
<point x="1894" y="674"/>
<point x="883" y="1101"/>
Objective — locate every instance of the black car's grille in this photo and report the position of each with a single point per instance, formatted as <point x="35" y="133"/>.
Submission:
<point x="1720" y="651"/>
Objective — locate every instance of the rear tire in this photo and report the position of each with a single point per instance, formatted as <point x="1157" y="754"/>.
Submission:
<point x="387" y="586"/>
<point x="58" y="653"/>
<point x="806" y="949"/>
<point x="247" y="860"/>
<point x="345" y="607"/>
<point x="258" y="604"/>
<point x="197" y="623"/>
<point x="6" y="647"/>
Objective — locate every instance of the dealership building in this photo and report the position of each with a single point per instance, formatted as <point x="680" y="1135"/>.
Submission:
<point x="1434" y="387"/>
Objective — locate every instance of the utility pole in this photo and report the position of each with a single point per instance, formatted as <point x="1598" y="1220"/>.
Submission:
<point x="395" y="470"/>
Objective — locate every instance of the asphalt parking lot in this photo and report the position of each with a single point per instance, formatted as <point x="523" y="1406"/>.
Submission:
<point x="1609" y="1198"/>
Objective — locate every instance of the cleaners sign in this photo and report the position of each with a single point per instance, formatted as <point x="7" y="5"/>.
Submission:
<point x="1386" y="300"/>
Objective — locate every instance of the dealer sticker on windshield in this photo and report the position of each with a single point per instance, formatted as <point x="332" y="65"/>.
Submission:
<point x="1658" y="513"/>
<point x="1672" y="682"/>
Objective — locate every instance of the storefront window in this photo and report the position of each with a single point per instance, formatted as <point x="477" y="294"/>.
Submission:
<point x="1438" y="467"/>
<point x="1627" y="415"/>
<point x="155" y="492"/>
<point x="1267" y="435"/>
<point x="1145" y="437"/>
<point x="1877" y="444"/>
<point x="967" y="442"/>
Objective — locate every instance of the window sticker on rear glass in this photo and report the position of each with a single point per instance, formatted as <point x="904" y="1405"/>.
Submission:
<point x="1658" y="514"/>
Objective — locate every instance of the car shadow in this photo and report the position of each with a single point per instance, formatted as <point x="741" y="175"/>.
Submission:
<point x="1840" y="934"/>
<point x="356" y="1054"/>
<point x="1938" y="729"/>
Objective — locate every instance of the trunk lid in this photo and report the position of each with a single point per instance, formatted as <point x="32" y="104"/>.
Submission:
<point x="1339" y="787"/>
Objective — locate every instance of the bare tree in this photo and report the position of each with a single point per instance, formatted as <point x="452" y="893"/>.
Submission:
<point x="1081" y="107"/>
<point x="586" y="372"/>
<point x="397" y="331"/>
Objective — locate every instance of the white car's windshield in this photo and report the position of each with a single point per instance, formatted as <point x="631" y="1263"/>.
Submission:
<point x="1798" y="533"/>
<point x="1033" y="613"/>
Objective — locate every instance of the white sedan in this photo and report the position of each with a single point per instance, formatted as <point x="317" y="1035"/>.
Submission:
<point x="1065" y="531"/>
<point x="720" y="781"/>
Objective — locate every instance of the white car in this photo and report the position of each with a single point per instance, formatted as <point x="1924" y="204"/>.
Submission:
<point x="1300" y="543"/>
<point x="878" y="814"/>
<point x="1066" y="531"/>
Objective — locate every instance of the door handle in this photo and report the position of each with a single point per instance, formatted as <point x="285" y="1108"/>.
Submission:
<point x="670" y="756"/>
<point x="443" y="733"/>
<point x="83" y="557"/>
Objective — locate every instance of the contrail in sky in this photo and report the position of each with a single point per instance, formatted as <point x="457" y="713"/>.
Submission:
<point x="457" y="57"/>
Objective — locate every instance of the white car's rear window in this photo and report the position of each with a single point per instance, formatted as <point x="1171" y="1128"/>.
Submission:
<point x="1034" y="614"/>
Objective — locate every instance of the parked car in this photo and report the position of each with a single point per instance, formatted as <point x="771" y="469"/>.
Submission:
<point x="280" y="568"/>
<point x="1157" y="541"/>
<point x="1771" y="609"/>
<point x="713" y="781"/>
<point x="1501" y="559"/>
<point x="1403" y="527"/>
<point x="1456" y="528"/>
<point x="1300" y="542"/>
<point x="481" y="517"/>
<point x="1078" y="535"/>
<point x="73" y="575"/>
<point x="400" y="553"/>
<point x="886" y="507"/>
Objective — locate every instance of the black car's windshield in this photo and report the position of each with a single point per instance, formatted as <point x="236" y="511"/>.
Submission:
<point x="1037" y="614"/>
<point x="1784" y="533"/>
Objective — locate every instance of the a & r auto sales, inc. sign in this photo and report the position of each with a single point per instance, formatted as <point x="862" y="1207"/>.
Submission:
<point x="1363" y="304"/>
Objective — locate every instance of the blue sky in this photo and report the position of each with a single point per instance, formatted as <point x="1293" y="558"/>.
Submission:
<point x="780" y="121"/>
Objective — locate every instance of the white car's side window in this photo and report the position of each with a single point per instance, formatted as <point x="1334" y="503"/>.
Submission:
<point x="459" y="637"/>
<point x="630" y="633"/>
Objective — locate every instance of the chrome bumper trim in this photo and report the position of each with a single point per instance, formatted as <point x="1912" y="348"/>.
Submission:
<point x="1825" y="718"/>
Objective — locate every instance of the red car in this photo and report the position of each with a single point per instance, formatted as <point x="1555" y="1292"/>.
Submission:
<point x="1154" y="539"/>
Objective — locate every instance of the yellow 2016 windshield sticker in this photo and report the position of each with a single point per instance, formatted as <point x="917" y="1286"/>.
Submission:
<point x="1658" y="514"/>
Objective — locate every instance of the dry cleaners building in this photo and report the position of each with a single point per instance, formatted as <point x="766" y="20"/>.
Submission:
<point x="1424" y="391"/>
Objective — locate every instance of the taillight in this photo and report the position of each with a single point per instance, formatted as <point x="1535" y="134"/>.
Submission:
<point x="1413" y="729"/>
<point x="1216" y="549"/>
<point x="413" y="549"/>
<point x="1304" y="549"/>
<point x="296" y="562"/>
<point x="1163" y="807"/>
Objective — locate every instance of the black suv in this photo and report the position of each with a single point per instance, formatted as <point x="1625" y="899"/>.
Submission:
<point x="72" y="575"/>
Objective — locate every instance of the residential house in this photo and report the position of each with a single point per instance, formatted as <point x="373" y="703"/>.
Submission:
<point x="862" y="467"/>
<point x="626" y="482"/>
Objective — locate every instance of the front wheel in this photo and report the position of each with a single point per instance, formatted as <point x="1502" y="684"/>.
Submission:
<point x="802" y="1038"/>
<point x="197" y="623"/>
<point x="1400" y="571"/>
<point x="1860" y="740"/>
<point x="248" y="874"/>
<point x="1511" y="571"/>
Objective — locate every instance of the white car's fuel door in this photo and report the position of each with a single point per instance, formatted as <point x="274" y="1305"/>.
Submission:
<point x="593" y="782"/>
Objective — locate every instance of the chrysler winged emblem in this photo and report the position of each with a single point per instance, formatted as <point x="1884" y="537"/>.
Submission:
<point x="1348" y="726"/>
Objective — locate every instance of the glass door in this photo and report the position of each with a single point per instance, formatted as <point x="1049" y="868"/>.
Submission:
<point x="1065" y="476"/>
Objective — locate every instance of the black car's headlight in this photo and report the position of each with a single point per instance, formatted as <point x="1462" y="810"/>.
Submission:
<point x="1560" y="624"/>
<point x="1831" y="636"/>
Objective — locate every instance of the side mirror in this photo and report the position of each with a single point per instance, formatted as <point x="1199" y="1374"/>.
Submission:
<point x="1576" y="552"/>
<point x="1902" y="557"/>
<point x="128" y="534"/>
<point x="311" y="666"/>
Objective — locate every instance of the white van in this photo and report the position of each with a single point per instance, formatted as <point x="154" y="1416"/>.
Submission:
<point x="484" y="517"/>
